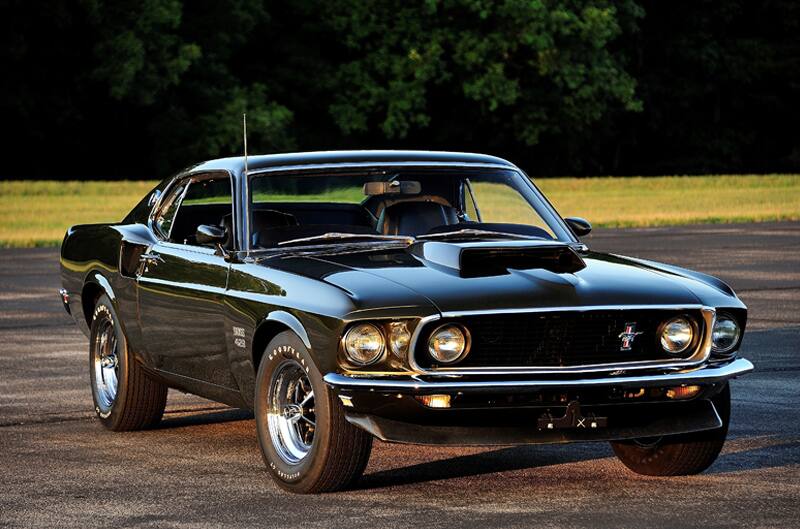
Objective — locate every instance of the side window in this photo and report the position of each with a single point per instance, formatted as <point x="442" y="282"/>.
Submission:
<point x="169" y="207"/>
<point x="205" y="201"/>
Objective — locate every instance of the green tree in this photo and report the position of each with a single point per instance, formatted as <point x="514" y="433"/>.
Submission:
<point x="517" y="69"/>
<point x="140" y="88"/>
<point x="176" y="61"/>
<point x="720" y="83"/>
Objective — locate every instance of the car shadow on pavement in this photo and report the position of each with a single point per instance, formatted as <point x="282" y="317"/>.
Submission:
<point x="767" y="452"/>
<point x="489" y="462"/>
<point x="181" y="418"/>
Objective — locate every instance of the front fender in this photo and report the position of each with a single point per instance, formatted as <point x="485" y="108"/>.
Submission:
<point x="291" y="321"/>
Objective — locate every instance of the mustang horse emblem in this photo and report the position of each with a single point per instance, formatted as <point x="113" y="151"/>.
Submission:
<point x="628" y="335"/>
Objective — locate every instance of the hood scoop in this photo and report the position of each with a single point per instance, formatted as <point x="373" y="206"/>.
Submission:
<point x="486" y="259"/>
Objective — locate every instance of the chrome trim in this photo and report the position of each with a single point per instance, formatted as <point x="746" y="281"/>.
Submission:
<point x="701" y="354"/>
<point x="154" y="196"/>
<point x="704" y="375"/>
<point x="151" y="258"/>
<point x="380" y="165"/>
<point x="578" y="308"/>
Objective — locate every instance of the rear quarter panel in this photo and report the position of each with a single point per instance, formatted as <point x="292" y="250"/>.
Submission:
<point x="90" y="264"/>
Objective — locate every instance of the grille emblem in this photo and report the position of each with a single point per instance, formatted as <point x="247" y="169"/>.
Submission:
<point x="627" y="336"/>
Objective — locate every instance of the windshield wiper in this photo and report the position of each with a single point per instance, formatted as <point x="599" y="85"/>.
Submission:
<point x="468" y="233"/>
<point x="347" y="236"/>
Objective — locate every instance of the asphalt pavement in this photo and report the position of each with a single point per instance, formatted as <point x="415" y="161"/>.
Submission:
<point x="202" y="467"/>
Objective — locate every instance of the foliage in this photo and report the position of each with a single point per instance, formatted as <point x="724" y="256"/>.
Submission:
<point x="523" y="68"/>
<point x="142" y="88"/>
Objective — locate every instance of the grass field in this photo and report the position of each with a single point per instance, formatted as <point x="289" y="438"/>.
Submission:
<point x="36" y="213"/>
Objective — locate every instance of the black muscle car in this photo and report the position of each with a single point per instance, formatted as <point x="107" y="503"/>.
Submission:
<point x="417" y="297"/>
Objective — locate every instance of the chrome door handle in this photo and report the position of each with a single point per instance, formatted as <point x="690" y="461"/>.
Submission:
<point x="151" y="258"/>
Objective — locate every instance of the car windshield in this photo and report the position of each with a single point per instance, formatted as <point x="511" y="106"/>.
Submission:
<point x="324" y="208"/>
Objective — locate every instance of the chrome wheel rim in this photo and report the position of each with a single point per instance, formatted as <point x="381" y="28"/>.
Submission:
<point x="291" y="417"/>
<point x="105" y="355"/>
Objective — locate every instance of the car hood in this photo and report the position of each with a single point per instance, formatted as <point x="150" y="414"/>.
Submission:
<point x="433" y="271"/>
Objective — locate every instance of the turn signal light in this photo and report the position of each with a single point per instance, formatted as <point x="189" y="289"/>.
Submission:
<point x="435" y="401"/>
<point x="682" y="392"/>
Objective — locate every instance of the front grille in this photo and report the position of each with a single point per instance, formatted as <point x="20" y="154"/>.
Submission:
<point x="561" y="338"/>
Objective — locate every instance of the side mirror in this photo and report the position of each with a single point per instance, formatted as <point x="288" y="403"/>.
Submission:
<point x="579" y="226"/>
<point x="154" y="196"/>
<point x="208" y="234"/>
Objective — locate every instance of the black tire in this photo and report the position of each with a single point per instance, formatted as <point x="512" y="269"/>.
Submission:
<point x="138" y="400"/>
<point x="336" y="451"/>
<point x="678" y="455"/>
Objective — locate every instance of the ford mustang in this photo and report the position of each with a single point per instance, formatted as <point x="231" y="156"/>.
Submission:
<point x="416" y="297"/>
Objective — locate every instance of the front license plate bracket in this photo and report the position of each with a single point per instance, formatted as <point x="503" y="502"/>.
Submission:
<point x="573" y="418"/>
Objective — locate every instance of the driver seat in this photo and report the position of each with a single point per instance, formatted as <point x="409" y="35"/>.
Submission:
<point x="415" y="218"/>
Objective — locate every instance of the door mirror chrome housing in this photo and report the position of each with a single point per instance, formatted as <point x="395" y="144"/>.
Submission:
<point x="154" y="196"/>
<point x="208" y="234"/>
<point x="579" y="226"/>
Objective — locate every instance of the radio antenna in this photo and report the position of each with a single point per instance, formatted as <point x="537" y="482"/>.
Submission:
<point x="244" y="131"/>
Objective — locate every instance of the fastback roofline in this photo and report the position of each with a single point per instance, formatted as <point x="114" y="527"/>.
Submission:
<point x="323" y="159"/>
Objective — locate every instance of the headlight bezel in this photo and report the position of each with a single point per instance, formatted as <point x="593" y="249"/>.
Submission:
<point x="691" y="345"/>
<point x="732" y="348"/>
<point x="464" y="352"/>
<point x="378" y="357"/>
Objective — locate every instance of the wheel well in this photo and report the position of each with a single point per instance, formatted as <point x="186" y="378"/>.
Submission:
<point x="264" y="334"/>
<point x="89" y="295"/>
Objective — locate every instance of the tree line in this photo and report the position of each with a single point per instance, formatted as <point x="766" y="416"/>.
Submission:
<point x="141" y="88"/>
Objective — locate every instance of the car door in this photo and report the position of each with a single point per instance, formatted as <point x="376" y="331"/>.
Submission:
<point x="181" y="285"/>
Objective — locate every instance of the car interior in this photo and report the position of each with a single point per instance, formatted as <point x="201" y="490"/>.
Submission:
<point x="392" y="208"/>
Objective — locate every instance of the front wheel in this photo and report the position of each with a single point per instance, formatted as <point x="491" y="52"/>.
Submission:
<point x="678" y="455"/>
<point x="307" y="444"/>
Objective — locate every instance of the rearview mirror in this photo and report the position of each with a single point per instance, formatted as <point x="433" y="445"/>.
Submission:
<point x="579" y="226"/>
<point x="395" y="187"/>
<point x="208" y="234"/>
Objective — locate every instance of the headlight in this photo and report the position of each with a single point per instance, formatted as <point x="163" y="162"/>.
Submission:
<point x="448" y="344"/>
<point x="676" y="335"/>
<point x="725" y="335"/>
<point x="364" y="344"/>
<point x="399" y="338"/>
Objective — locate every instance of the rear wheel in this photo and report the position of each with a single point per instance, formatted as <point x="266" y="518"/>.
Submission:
<point x="125" y="396"/>
<point x="677" y="455"/>
<point x="307" y="444"/>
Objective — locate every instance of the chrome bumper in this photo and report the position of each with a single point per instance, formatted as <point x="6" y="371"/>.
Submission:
<point x="709" y="374"/>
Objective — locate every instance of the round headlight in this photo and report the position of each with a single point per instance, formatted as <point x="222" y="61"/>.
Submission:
<point x="448" y="344"/>
<point x="725" y="334"/>
<point x="364" y="344"/>
<point x="676" y="335"/>
<point x="399" y="338"/>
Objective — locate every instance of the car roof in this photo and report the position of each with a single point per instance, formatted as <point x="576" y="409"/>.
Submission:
<point x="299" y="159"/>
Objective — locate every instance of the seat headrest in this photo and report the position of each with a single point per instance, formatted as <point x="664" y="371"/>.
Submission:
<point x="415" y="217"/>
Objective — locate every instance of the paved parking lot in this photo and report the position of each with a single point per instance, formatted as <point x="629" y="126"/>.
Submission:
<point x="202" y="467"/>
